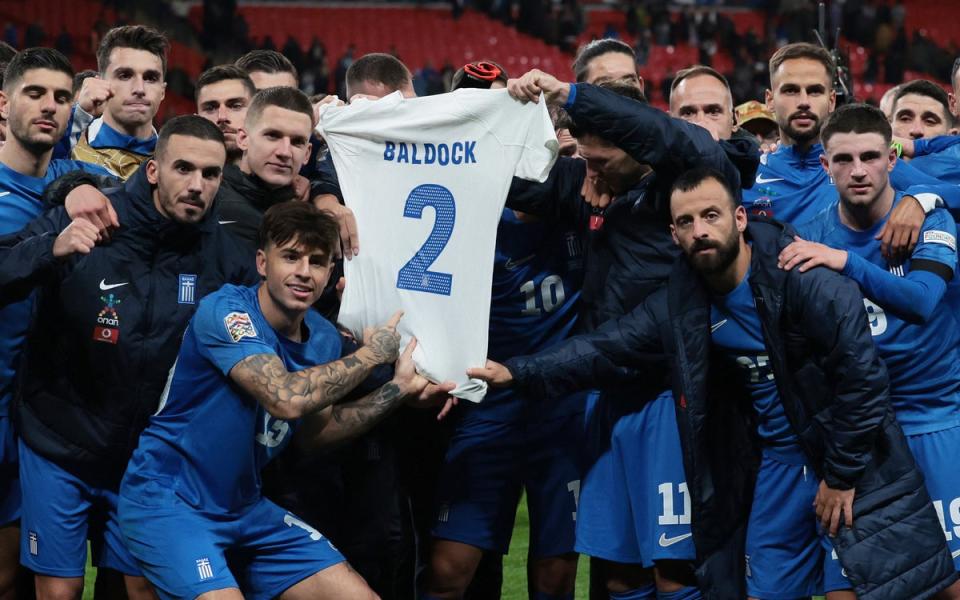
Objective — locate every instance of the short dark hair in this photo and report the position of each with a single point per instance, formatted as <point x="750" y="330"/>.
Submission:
<point x="80" y="77"/>
<point x="138" y="37"/>
<point x="189" y="125"/>
<point x="35" y="58"/>
<point x="7" y="52"/>
<point x="803" y="50"/>
<point x="598" y="48"/>
<point x="694" y="178"/>
<point x="923" y="87"/>
<point x="266" y="61"/>
<point x="618" y="87"/>
<point x="381" y="68"/>
<point x="282" y="96"/>
<point x="312" y="228"/>
<point x="224" y="73"/>
<point x="856" y="118"/>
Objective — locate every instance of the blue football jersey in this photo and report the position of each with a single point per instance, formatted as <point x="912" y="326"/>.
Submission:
<point x="20" y="203"/>
<point x="735" y="330"/>
<point x="537" y="276"/>
<point x="791" y="186"/>
<point x="944" y="165"/>
<point x="923" y="360"/>
<point x="209" y="440"/>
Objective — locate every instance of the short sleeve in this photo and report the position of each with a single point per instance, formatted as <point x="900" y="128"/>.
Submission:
<point x="540" y="145"/>
<point x="227" y="332"/>
<point x="938" y="239"/>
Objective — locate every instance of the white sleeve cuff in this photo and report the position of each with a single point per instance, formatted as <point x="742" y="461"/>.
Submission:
<point x="929" y="201"/>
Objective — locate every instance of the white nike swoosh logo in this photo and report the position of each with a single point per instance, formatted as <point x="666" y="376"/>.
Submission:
<point x="665" y="541"/>
<point x="513" y="264"/>
<point x="226" y="222"/>
<point x="761" y="180"/>
<point x="2" y="194"/>
<point x="717" y="326"/>
<point x="109" y="286"/>
<point x="955" y="554"/>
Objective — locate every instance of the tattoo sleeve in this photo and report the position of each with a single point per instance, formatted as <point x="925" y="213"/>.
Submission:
<point x="350" y="419"/>
<point x="288" y="395"/>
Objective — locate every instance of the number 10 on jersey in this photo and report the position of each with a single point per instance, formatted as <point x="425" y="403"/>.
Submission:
<point x="414" y="274"/>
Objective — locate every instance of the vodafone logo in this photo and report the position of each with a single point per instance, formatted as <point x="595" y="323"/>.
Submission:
<point x="110" y="335"/>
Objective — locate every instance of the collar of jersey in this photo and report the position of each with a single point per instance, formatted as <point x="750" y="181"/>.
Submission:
<point x="795" y="158"/>
<point x="101" y="135"/>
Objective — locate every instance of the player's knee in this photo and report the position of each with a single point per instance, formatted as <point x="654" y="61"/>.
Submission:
<point x="554" y="576"/>
<point x="674" y="576"/>
<point x="623" y="577"/>
<point x="449" y="575"/>
<point x="138" y="588"/>
<point x="59" y="588"/>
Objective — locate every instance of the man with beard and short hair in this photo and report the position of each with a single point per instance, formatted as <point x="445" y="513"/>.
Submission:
<point x="791" y="186"/>
<point x="911" y="319"/>
<point x="223" y="94"/>
<point x="35" y="104"/>
<point x="121" y="307"/>
<point x="133" y="60"/>
<point x="635" y="151"/>
<point x="783" y="410"/>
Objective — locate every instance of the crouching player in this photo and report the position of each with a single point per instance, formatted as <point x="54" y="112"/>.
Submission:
<point x="256" y="368"/>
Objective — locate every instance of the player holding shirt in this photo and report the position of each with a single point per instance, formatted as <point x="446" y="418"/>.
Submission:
<point x="825" y="431"/>
<point x="37" y="91"/>
<point x="537" y="275"/>
<point x="244" y="384"/>
<point x="914" y="327"/>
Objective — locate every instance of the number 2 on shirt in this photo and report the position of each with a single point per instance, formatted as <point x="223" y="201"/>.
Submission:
<point x="414" y="275"/>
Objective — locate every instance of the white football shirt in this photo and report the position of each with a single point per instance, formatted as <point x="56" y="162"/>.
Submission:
<point x="426" y="179"/>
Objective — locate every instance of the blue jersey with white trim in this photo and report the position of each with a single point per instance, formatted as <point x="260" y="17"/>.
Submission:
<point x="21" y="202"/>
<point x="209" y="440"/>
<point x="735" y="329"/>
<point x="923" y="360"/>
<point x="537" y="276"/>
<point x="791" y="186"/>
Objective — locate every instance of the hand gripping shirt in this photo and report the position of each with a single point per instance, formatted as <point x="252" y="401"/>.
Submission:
<point x="427" y="179"/>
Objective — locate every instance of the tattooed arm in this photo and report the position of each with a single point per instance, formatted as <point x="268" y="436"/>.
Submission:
<point x="288" y="396"/>
<point x="341" y="422"/>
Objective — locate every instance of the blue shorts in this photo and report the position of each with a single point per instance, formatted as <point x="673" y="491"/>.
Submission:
<point x="786" y="555"/>
<point x="936" y="455"/>
<point x="9" y="473"/>
<point x="634" y="504"/>
<point x="185" y="553"/>
<point x="62" y="509"/>
<point x="487" y="465"/>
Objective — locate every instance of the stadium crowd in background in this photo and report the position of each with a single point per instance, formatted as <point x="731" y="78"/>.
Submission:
<point x="724" y="347"/>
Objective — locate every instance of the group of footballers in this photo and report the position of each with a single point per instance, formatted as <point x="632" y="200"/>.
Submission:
<point x="717" y="370"/>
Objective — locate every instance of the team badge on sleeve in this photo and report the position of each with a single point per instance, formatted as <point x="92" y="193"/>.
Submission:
<point x="940" y="237"/>
<point x="239" y="326"/>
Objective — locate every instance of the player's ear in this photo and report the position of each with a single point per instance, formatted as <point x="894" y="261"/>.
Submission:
<point x="262" y="263"/>
<point x="673" y="234"/>
<point x="824" y="162"/>
<point x="153" y="171"/>
<point x="243" y="139"/>
<point x="740" y="216"/>
<point x="4" y="105"/>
